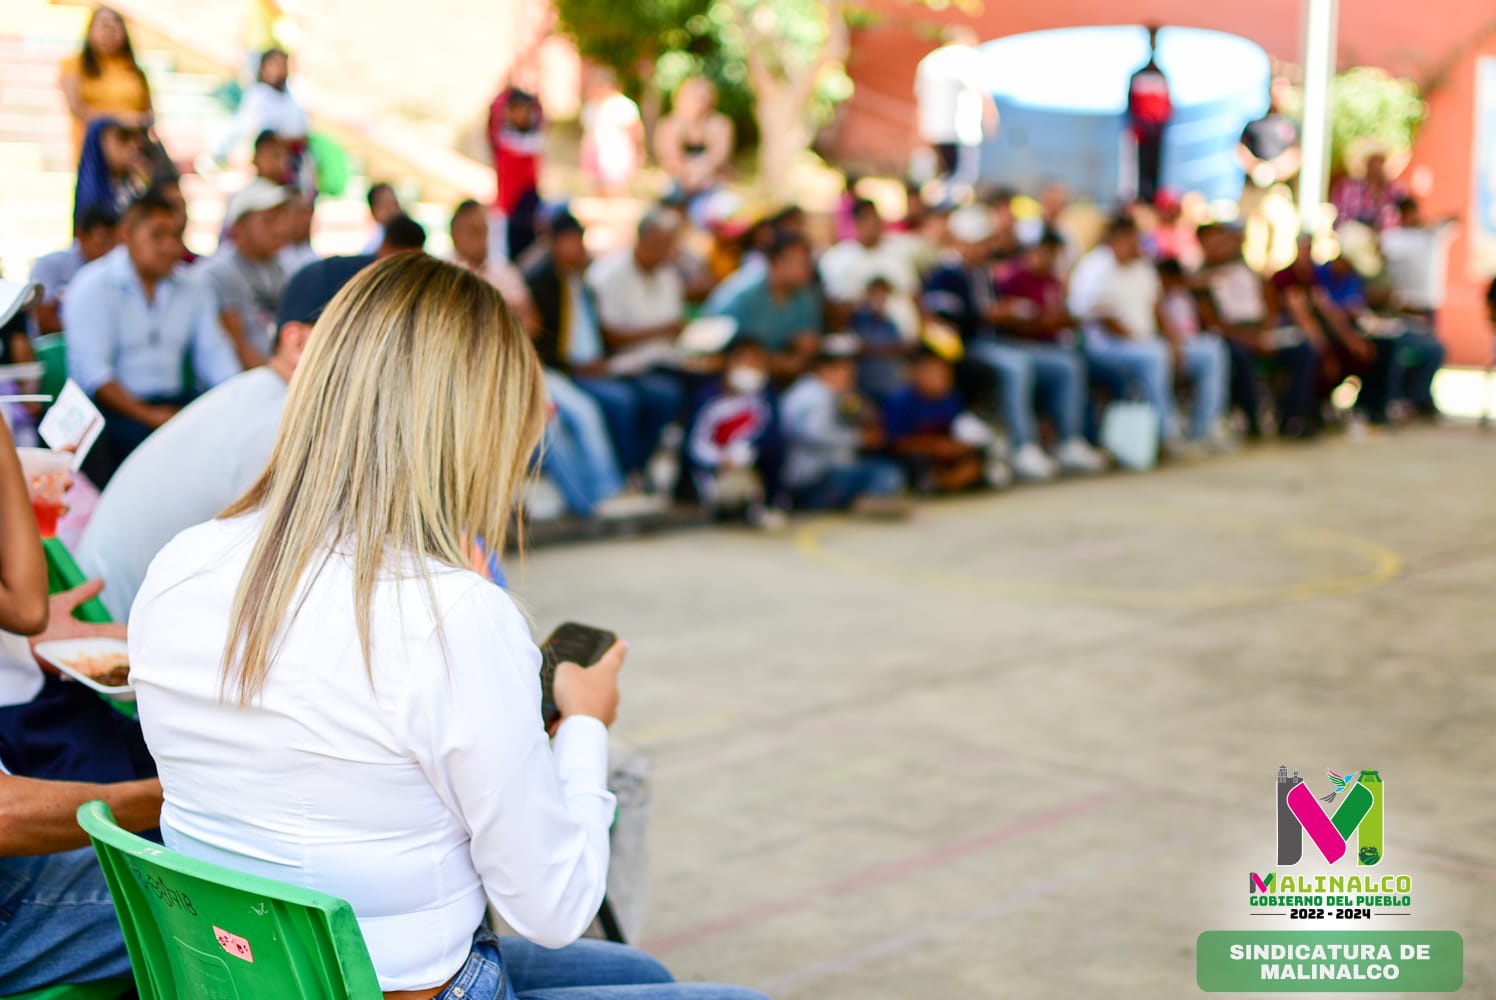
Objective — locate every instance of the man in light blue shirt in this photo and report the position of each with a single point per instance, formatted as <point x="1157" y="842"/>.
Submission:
<point x="94" y="236"/>
<point x="141" y="338"/>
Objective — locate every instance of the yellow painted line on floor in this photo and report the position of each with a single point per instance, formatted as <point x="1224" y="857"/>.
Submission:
<point x="1383" y="565"/>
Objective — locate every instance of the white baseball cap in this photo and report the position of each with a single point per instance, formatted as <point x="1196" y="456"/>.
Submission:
<point x="17" y="296"/>
<point x="970" y="224"/>
<point x="258" y="196"/>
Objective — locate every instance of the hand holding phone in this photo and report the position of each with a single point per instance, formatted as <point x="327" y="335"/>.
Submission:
<point x="579" y="673"/>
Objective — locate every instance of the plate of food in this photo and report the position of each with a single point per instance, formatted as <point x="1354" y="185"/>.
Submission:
<point x="99" y="663"/>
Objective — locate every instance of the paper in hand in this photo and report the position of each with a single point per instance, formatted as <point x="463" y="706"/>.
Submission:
<point x="73" y="423"/>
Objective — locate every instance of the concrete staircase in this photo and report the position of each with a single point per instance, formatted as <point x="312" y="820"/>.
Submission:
<point x="37" y="171"/>
<point x="36" y="179"/>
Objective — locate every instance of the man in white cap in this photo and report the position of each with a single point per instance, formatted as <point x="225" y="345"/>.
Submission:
<point x="135" y="325"/>
<point x="245" y="278"/>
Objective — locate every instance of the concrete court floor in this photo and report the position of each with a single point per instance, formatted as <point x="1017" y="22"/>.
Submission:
<point x="1024" y="746"/>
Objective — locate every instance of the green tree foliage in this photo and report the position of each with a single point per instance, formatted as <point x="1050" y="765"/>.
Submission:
<point x="1367" y="103"/>
<point x="658" y="43"/>
<point x="779" y="65"/>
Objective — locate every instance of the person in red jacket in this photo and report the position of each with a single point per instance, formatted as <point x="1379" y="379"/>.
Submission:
<point x="516" y="134"/>
<point x="1149" y="109"/>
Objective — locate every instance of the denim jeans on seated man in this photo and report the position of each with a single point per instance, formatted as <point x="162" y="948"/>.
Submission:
<point x="638" y="408"/>
<point x="57" y="923"/>
<point x="1033" y="375"/>
<point x="1147" y="366"/>
<point x="577" y="452"/>
<point x="512" y="968"/>
<point x="1419" y="355"/>
<point x="1299" y="365"/>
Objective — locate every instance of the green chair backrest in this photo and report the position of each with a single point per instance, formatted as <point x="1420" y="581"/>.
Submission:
<point x="63" y="573"/>
<point x="194" y="929"/>
<point x="104" y="989"/>
<point x="52" y="351"/>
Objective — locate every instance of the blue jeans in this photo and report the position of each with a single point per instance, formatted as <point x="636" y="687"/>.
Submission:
<point x="842" y="484"/>
<point x="577" y="453"/>
<point x="57" y="923"/>
<point x="1299" y="366"/>
<point x="1207" y="364"/>
<point x="515" y="969"/>
<point x="1030" y="373"/>
<point x="637" y="410"/>
<point x="1416" y="361"/>
<point x="1148" y="366"/>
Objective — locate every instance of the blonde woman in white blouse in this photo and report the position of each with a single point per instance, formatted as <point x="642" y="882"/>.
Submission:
<point x="335" y="700"/>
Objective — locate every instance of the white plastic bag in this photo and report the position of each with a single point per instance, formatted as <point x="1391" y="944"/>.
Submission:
<point x="1129" y="431"/>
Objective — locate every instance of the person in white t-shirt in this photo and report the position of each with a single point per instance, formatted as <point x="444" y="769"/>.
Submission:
<point x="1131" y="345"/>
<point x="1416" y="254"/>
<point x="641" y="298"/>
<point x="48" y="728"/>
<point x="956" y="109"/>
<point x="60" y="746"/>
<point x="851" y="265"/>
<point x="269" y="105"/>
<point x="369" y="664"/>
<point x="612" y="134"/>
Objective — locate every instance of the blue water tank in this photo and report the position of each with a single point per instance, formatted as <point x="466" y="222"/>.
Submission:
<point x="1062" y="100"/>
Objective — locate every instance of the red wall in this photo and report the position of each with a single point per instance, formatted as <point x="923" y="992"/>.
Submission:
<point x="877" y="125"/>
<point x="1442" y="160"/>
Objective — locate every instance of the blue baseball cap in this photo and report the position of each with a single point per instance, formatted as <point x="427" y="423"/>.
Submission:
<point x="313" y="287"/>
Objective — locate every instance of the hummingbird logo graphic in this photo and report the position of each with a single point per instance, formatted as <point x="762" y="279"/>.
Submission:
<point x="1339" y="781"/>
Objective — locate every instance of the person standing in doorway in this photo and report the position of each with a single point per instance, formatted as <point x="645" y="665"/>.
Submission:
<point x="956" y="109"/>
<point x="1149" y="109"/>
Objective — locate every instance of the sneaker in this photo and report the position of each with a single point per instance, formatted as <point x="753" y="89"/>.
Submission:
<point x="543" y="500"/>
<point x="883" y="508"/>
<point x="770" y="520"/>
<point x="997" y="474"/>
<point x="1078" y="457"/>
<point x="631" y="506"/>
<point x="1030" y="463"/>
<point x="736" y="487"/>
<point x="661" y="471"/>
<point x="1219" y="441"/>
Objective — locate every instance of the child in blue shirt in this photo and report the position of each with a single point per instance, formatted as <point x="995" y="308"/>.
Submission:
<point x="920" y="421"/>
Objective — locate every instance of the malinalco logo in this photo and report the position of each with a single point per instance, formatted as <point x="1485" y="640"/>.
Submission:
<point x="1358" y="815"/>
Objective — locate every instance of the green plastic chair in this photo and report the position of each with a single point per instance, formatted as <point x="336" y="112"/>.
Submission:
<point x="104" y="989"/>
<point x="52" y="351"/>
<point x="197" y="930"/>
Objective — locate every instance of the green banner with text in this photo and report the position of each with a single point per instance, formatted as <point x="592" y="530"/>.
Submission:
<point x="1330" y="961"/>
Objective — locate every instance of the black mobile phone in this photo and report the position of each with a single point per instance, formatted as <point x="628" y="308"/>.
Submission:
<point x="569" y="643"/>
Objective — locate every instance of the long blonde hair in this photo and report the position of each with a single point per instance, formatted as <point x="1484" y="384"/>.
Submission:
<point x="407" y="431"/>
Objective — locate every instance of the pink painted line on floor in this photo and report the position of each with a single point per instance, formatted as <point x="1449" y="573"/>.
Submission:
<point x="878" y="875"/>
<point x="893" y="947"/>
